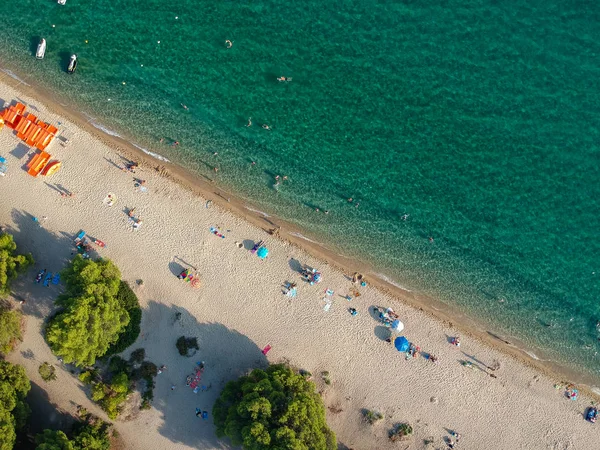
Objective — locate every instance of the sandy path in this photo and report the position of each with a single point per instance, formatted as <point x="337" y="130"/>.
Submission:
<point x="240" y="308"/>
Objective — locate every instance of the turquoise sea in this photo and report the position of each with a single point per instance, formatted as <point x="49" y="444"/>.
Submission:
<point x="478" y="119"/>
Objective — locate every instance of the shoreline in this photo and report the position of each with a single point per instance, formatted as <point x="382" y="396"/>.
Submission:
<point x="207" y="189"/>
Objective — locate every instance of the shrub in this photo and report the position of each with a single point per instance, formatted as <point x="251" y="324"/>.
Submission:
<point x="325" y="377"/>
<point x="47" y="372"/>
<point x="148" y="370"/>
<point x="400" y="430"/>
<point x="11" y="264"/>
<point x="130" y="302"/>
<point x="273" y="408"/>
<point x="372" y="416"/>
<point x="184" y="345"/>
<point x="92" y="318"/>
<point x="118" y="364"/>
<point x="92" y="433"/>
<point x="53" y="440"/>
<point x="111" y="396"/>
<point x="14" y="386"/>
<point x="10" y="329"/>
<point x="138" y="355"/>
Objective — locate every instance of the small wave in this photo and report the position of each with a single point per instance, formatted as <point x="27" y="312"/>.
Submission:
<point x="532" y="355"/>
<point x="301" y="236"/>
<point x="596" y="390"/>
<point x="393" y="283"/>
<point x="12" y="75"/>
<point x="106" y="130"/>
<point x="154" y="155"/>
<point x="264" y="214"/>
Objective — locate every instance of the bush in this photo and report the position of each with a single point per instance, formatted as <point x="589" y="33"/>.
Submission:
<point x="53" y="440"/>
<point x="91" y="434"/>
<point x="138" y="355"/>
<point x="11" y="264"/>
<point x="148" y="370"/>
<point x="111" y="396"/>
<point x="14" y="386"/>
<point x="91" y="318"/>
<point x="130" y="302"/>
<point x="273" y="408"/>
<point x="372" y="416"/>
<point x="118" y="364"/>
<point x="400" y="430"/>
<point x="10" y="329"/>
<point x="184" y="345"/>
<point x="47" y="372"/>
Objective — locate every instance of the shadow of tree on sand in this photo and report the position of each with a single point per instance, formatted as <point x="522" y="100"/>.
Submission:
<point x="50" y="251"/>
<point x="226" y="353"/>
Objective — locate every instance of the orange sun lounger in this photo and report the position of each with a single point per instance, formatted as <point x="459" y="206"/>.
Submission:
<point x="37" y="164"/>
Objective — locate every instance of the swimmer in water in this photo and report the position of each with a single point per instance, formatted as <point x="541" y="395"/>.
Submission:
<point x="253" y="163"/>
<point x="228" y="43"/>
<point x="405" y="216"/>
<point x="430" y="239"/>
<point x="185" y="107"/>
<point x="249" y="124"/>
<point x="266" y="127"/>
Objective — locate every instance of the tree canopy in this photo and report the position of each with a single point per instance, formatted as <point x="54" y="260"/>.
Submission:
<point x="53" y="440"/>
<point x="91" y="317"/>
<point x="274" y="408"/>
<point x="10" y="263"/>
<point x="130" y="302"/>
<point x="91" y="434"/>
<point x="14" y="386"/>
<point x="10" y="329"/>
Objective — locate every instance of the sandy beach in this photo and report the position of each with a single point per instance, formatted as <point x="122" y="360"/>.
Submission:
<point x="240" y="308"/>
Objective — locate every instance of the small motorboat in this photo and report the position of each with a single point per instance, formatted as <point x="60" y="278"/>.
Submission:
<point x="41" y="49"/>
<point x="592" y="414"/>
<point x="72" y="64"/>
<point x="286" y="79"/>
<point x="62" y="2"/>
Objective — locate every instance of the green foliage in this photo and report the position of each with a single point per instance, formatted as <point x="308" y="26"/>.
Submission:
<point x="111" y="396"/>
<point x="92" y="317"/>
<point x="325" y="377"/>
<point x="372" y="416"/>
<point x="400" y="430"/>
<point x="184" y="345"/>
<point x="86" y="377"/>
<point x="53" y="440"/>
<point x="138" y="355"/>
<point x="10" y="329"/>
<point x="47" y="372"/>
<point x="148" y="370"/>
<point x="14" y="386"/>
<point x="273" y="408"/>
<point x="118" y="364"/>
<point x="130" y="302"/>
<point x="11" y="264"/>
<point x="93" y="434"/>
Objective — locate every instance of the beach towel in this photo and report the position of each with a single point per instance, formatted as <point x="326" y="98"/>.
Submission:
<point x="266" y="350"/>
<point x="327" y="307"/>
<point x="193" y="384"/>
<point x="56" y="279"/>
<point x="47" y="279"/>
<point x="110" y="199"/>
<point x="204" y="415"/>
<point x="329" y="292"/>
<point x="196" y="389"/>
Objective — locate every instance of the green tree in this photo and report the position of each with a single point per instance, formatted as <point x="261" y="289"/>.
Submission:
<point x="11" y="264"/>
<point x="10" y="329"/>
<point x="273" y="409"/>
<point x="91" y="435"/>
<point x="111" y="396"/>
<point x="53" y="440"/>
<point x="91" y="317"/>
<point x="130" y="302"/>
<point x="14" y="386"/>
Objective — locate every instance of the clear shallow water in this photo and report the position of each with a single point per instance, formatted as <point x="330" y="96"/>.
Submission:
<point x="478" y="119"/>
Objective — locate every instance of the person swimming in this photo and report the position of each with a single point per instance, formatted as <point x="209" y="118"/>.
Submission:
<point x="266" y="127"/>
<point x="184" y="107"/>
<point x="249" y="124"/>
<point x="280" y="79"/>
<point x="228" y="43"/>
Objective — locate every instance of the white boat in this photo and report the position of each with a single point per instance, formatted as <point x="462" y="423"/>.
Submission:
<point x="62" y="2"/>
<point x="72" y="64"/>
<point x="41" y="49"/>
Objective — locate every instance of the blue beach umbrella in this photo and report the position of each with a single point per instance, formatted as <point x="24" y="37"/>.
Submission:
<point x="401" y="344"/>
<point x="262" y="252"/>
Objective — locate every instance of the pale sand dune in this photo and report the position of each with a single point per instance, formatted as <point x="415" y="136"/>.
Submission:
<point x="240" y="309"/>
